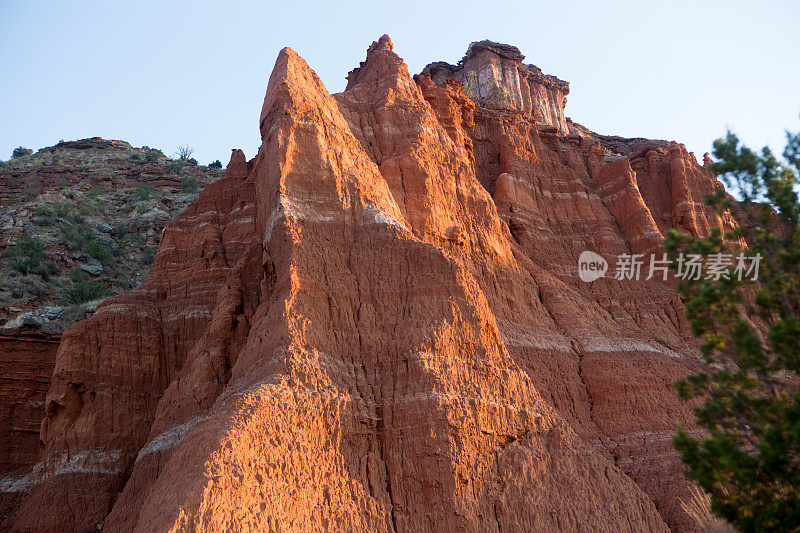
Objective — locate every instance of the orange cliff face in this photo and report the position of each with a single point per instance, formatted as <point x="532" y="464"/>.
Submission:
<point x="377" y="324"/>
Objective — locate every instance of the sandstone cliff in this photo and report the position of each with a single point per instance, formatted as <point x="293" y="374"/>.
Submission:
<point x="493" y="75"/>
<point x="377" y="324"/>
<point x="26" y="363"/>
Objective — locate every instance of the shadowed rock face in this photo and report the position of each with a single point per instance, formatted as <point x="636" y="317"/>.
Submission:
<point x="26" y="362"/>
<point x="377" y="324"/>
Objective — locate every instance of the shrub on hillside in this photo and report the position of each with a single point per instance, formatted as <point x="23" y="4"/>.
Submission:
<point x="61" y="209"/>
<point x="99" y="251"/>
<point x="20" y="151"/>
<point x="43" y="211"/>
<point x="26" y="254"/>
<point x="84" y="290"/>
<point x="76" y="275"/>
<point x="89" y="207"/>
<point x="145" y="192"/>
<point x="82" y="238"/>
<point x="184" y="153"/>
<point x="46" y="269"/>
<point x="148" y="255"/>
<point x="77" y="236"/>
<point x="189" y="185"/>
<point x="153" y="154"/>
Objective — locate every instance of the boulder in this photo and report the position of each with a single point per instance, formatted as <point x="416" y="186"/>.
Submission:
<point x="51" y="313"/>
<point x="152" y="219"/>
<point x="92" y="266"/>
<point x="105" y="228"/>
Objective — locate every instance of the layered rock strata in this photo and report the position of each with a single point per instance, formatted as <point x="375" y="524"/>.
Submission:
<point x="493" y="75"/>
<point x="26" y="363"/>
<point x="102" y="163"/>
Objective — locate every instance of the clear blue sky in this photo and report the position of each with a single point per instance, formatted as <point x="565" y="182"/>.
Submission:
<point x="169" y="73"/>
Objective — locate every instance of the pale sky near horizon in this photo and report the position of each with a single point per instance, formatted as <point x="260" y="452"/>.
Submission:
<point x="169" y="73"/>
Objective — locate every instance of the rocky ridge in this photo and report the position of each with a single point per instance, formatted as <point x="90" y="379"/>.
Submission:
<point x="377" y="324"/>
<point x="93" y="205"/>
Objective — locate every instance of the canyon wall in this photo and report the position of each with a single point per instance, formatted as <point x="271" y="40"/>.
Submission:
<point x="26" y="363"/>
<point x="377" y="324"/>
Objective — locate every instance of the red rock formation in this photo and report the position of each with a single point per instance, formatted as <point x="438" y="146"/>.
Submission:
<point x="562" y="195"/>
<point x="377" y="324"/>
<point x="26" y="362"/>
<point x="493" y="75"/>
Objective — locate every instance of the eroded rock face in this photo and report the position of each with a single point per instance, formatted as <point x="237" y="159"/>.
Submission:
<point x="494" y="76"/>
<point x="377" y="324"/>
<point x="26" y="362"/>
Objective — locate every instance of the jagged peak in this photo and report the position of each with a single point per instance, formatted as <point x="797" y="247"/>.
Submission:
<point x="237" y="156"/>
<point x="237" y="166"/>
<point x="383" y="43"/>
<point x="291" y="78"/>
<point x="383" y="49"/>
